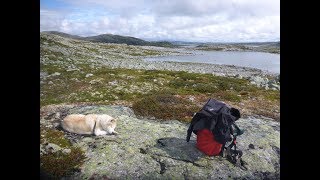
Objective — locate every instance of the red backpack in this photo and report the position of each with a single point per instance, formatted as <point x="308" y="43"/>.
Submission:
<point x="207" y="144"/>
<point x="214" y="126"/>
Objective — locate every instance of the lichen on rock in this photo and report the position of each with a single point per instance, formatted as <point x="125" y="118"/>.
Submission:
<point x="153" y="149"/>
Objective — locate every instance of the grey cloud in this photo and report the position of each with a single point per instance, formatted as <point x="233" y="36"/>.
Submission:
<point x="188" y="7"/>
<point x="234" y="9"/>
<point x="50" y="19"/>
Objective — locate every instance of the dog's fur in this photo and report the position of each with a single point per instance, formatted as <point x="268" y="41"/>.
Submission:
<point x="97" y="124"/>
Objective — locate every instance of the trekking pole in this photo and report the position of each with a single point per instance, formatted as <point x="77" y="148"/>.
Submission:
<point x="238" y="130"/>
<point x="238" y="152"/>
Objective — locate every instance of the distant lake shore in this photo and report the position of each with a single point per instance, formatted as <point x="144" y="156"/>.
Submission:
<point x="260" y="60"/>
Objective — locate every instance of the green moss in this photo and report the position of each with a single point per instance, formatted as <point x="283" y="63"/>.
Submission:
<point x="58" y="165"/>
<point x="93" y="50"/>
<point x="54" y="136"/>
<point x="110" y="46"/>
<point x="181" y="83"/>
<point x="135" y="54"/>
<point x="272" y="95"/>
<point x="228" y="95"/>
<point x="205" y="83"/>
<point x="205" y="88"/>
<point x="150" y="53"/>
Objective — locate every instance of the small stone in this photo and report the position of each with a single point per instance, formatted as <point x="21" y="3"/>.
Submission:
<point x="42" y="150"/>
<point x="238" y="76"/>
<point x="57" y="116"/>
<point x="66" y="151"/>
<point x="113" y="83"/>
<point x="52" y="147"/>
<point x="95" y="81"/>
<point x="191" y="98"/>
<point x="251" y="146"/>
<point x="56" y="125"/>
<point x="75" y="79"/>
<point x="50" y="82"/>
<point x="55" y="74"/>
<point x="88" y="75"/>
<point x="275" y="86"/>
<point x="68" y="70"/>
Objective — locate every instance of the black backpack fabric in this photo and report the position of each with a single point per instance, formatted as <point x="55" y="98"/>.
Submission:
<point x="217" y="117"/>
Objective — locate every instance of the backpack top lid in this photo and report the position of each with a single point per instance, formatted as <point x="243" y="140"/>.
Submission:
<point x="213" y="105"/>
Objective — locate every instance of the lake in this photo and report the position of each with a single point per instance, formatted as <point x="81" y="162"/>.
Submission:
<point x="260" y="60"/>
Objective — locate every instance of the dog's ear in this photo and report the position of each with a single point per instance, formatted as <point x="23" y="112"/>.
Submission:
<point x="113" y="120"/>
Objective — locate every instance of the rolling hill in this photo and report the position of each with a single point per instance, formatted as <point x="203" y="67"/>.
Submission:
<point x="111" y="38"/>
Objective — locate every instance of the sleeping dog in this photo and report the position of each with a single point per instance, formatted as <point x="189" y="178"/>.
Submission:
<point x="97" y="124"/>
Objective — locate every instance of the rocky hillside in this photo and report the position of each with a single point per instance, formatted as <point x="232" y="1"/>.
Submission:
<point x="61" y="34"/>
<point x="150" y="149"/>
<point x="76" y="71"/>
<point x="111" y="38"/>
<point x="269" y="47"/>
<point x="55" y="47"/>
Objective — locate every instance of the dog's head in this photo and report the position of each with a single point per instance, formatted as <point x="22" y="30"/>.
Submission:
<point x="108" y="123"/>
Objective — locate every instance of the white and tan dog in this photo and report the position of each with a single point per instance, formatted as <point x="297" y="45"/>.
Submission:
<point x="97" y="124"/>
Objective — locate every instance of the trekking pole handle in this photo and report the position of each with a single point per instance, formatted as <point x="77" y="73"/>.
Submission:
<point x="238" y="130"/>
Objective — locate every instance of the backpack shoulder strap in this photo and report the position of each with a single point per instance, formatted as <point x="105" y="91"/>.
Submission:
<point x="202" y="119"/>
<point x="189" y="132"/>
<point x="222" y="150"/>
<point x="194" y="120"/>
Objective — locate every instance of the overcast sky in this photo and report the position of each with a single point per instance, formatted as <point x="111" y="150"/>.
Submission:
<point x="185" y="20"/>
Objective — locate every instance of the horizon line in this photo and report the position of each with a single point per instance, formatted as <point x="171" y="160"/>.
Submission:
<point x="153" y="39"/>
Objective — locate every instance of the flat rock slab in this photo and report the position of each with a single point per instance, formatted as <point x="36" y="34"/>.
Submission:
<point x="154" y="149"/>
